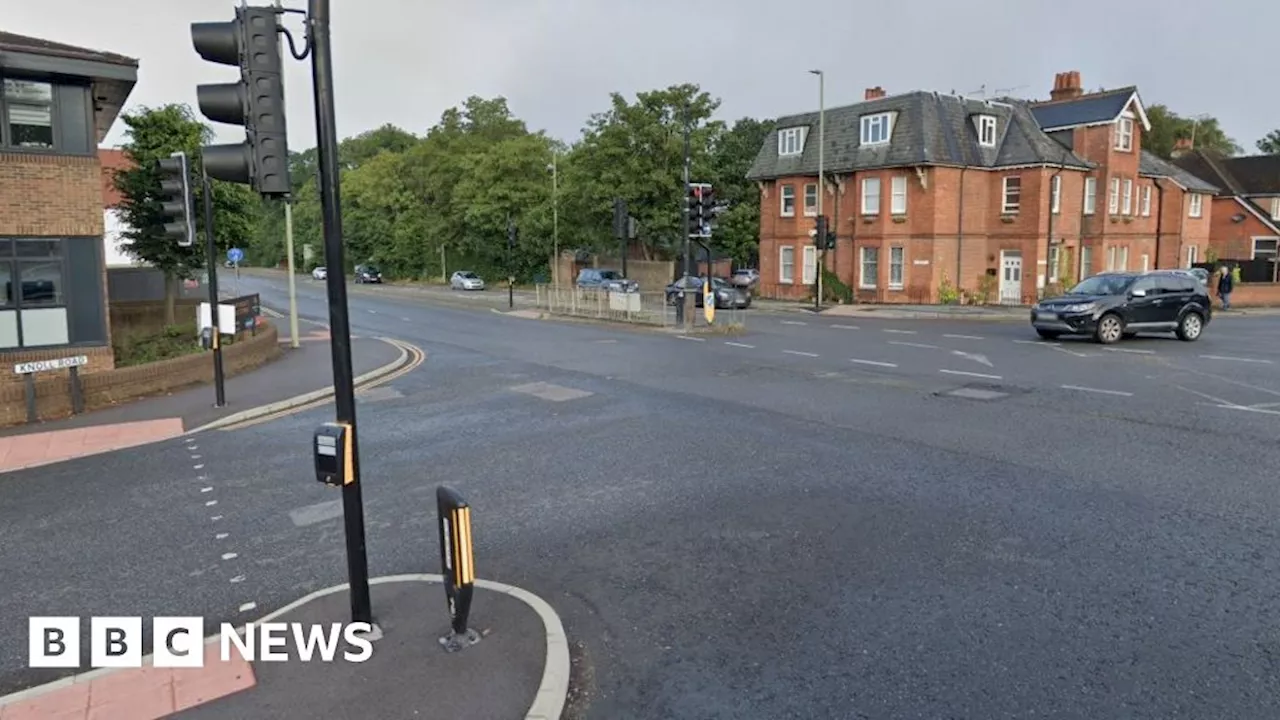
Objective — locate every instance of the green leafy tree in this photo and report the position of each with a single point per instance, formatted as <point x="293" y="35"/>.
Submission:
<point x="1270" y="143"/>
<point x="737" y="232"/>
<point x="1167" y="128"/>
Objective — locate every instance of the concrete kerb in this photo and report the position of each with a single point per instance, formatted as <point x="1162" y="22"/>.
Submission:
<point x="548" y="704"/>
<point x="307" y="398"/>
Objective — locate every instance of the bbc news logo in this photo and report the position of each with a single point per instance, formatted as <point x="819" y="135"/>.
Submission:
<point x="178" y="642"/>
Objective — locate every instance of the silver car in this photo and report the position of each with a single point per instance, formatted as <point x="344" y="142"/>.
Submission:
<point x="466" y="280"/>
<point x="320" y="273"/>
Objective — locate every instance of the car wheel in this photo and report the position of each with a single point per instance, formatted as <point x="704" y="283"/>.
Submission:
<point x="1110" y="329"/>
<point x="1048" y="334"/>
<point x="1190" y="327"/>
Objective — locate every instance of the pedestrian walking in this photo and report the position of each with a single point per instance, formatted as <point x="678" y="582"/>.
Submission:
<point x="1226" y="283"/>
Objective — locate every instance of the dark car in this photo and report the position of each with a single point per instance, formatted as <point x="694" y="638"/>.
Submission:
<point x="727" y="296"/>
<point x="608" y="280"/>
<point x="368" y="274"/>
<point x="1115" y="305"/>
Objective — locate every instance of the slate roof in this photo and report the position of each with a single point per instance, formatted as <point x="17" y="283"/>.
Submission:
<point x="1152" y="165"/>
<point x="1206" y="166"/>
<point x="929" y="129"/>
<point x="1255" y="174"/>
<point x="12" y="42"/>
<point x="1089" y="109"/>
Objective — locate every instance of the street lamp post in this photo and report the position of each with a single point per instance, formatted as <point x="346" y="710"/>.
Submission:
<point x="555" y="220"/>
<point x="820" y="243"/>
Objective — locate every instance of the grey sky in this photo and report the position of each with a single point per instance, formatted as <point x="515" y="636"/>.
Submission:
<point x="406" y="61"/>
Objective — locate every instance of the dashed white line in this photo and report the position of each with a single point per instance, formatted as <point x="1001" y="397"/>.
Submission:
<point x="220" y="536"/>
<point x="238" y="579"/>
<point x="1248" y="409"/>
<point x="229" y="556"/>
<point x="689" y="337"/>
<point x="1133" y="351"/>
<point x="846" y="327"/>
<point x="215" y="518"/>
<point x="206" y="489"/>
<point x="965" y="337"/>
<point x="197" y="467"/>
<point x="802" y="354"/>
<point x="1236" y="359"/>
<point x="193" y="447"/>
<point x="877" y="363"/>
<point x="915" y="345"/>
<point x="972" y="374"/>
<point x="248" y="606"/>
<point x="1037" y="342"/>
<point x="899" y="332"/>
<point x="373" y="312"/>
<point x="741" y="345"/>
<point x="195" y="457"/>
<point x="406" y="319"/>
<point x="1081" y="388"/>
<point x="211" y="503"/>
<point x="793" y="322"/>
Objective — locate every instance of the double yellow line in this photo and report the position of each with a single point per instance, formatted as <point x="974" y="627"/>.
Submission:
<point x="416" y="358"/>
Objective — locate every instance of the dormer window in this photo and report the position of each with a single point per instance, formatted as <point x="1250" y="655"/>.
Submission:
<point x="986" y="131"/>
<point x="791" y="141"/>
<point x="1124" y="134"/>
<point x="877" y="129"/>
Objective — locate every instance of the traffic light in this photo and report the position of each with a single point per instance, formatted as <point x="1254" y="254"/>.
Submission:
<point x="256" y="102"/>
<point x="824" y="238"/>
<point x="699" y="209"/>
<point x="708" y="204"/>
<point x="175" y="199"/>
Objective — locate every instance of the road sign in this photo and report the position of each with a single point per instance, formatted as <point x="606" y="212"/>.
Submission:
<point x="43" y="365"/>
<point x="235" y="255"/>
<point x="709" y="302"/>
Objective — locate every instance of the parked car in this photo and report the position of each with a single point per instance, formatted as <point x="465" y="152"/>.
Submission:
<point x="745" y="277"/>
<point x="1200" y="274"/>
<point x="727" y="296"/>
<point x="609" y="280"/>
<point x="368" y="274"/>
<point x="1115" y="305"/>
<point x="466" y="280"/>
<point x="320" y="273"/>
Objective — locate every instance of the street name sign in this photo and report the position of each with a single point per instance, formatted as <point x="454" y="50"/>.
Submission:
<point x="27" y="368"/>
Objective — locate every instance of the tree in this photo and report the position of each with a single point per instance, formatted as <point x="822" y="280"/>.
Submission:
<point x="155" y="133"/>
<point x="1167" y="128"/>
<point x="1270" y="144"/>
<point x="737" y="231"/>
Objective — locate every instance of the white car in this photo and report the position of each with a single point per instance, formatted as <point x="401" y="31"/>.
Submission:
<point x="320" y="273"/>
<point x="466" y="280"/>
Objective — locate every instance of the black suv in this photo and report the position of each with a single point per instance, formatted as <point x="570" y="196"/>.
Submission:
<point x="368" y="274"/>
<point x="1115" y="305"/>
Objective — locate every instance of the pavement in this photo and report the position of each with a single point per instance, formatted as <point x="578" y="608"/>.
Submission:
<point x="821" y="517"/>
<point x="296" y="373"/>
<point x="519" y="667"/>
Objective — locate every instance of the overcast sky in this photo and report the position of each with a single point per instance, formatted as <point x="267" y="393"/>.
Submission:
<point x="556" y="61"/>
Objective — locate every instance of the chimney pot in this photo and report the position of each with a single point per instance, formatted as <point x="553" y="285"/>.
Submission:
<point x="1067" y="85"/>
<point x="873" y="93"/>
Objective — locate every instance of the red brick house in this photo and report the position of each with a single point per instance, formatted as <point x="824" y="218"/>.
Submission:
<point x="57" y="103"/>
<point x="997" y="198"/>
<point x="1246" y="211"/>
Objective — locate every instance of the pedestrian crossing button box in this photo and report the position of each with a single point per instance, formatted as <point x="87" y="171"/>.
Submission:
<point x="333" y="454"/>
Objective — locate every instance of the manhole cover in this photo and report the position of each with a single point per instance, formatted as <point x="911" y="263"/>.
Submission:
<point x="977" y="393"/>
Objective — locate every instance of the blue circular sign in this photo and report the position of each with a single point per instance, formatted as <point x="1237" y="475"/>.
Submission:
<point x="235" y="255"/>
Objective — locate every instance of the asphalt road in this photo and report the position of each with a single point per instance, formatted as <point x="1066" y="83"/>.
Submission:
<point x="804" y="521"/>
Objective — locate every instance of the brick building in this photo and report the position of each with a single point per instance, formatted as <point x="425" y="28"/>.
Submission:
<point x="57" y="103"/>
<point x="997" y="198"/>
<point x="1246" y="211"/>
<point x="113" y="161"/>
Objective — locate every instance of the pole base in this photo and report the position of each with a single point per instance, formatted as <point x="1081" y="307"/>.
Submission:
<point x="453" y="642"/>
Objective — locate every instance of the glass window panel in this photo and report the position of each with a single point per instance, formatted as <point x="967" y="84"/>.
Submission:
<point x="28" y="91"/>
<point x="30" y="109"/>
<point x="41" y="283"/>
<point x="6" y="248"/>
<point x="6" y="284"/>
<point x="38" y="248"/>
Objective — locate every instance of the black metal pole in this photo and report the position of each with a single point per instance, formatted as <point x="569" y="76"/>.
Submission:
<point x="211" y="259"/>
<point x="688" y="260"/>
<point x="339" y="322"/>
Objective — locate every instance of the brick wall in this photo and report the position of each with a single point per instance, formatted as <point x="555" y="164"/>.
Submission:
<point x="50" y="195"/>
<point x="1256" y="295"/>
<point x="112" y="387"/>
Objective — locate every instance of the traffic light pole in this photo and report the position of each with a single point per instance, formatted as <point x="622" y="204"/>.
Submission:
<point x="288" y="247"/>
<point x="685" y="315"/>
<point x="339" y="321"/>
<point x="211" y="260"/>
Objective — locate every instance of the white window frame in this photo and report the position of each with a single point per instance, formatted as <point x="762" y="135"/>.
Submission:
<point x="877" y="129"/>
<point x="1086" y="261"/>
<point x="1275" y="208"/>
<point x="1113" y="255"/>
<point x="791" y="141"/>
<point x="897" y="262"/>
<point x="872" y="207"/>
<point x="1127" y="203"/>
<point x="865" y="255"/>
<point x="1124" y="259"/>
<point x="987" y="131"/>
<point x="810" y="210"/>
<point x="786" y="265"/>
<point x="809" y="273"/>
<point x="1274" y="254"/>
<point x="787" y="195"/>
<point x="1146" y="201"/>
<point x="1124" y="134"/>
<point x="1055" y="194"/>
<point x="1113" y="199"/>
<point x="1196" y="205"/>
<point x="1193" y="254"/>
<point x="1007" y="189"/>
<point x="898" y="195"/>
<point x="1055" y="256"/>
<point x="1090" y="195"/>
<point x="1146" y="262"/>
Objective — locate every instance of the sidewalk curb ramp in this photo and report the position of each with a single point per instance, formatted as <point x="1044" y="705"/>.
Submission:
<point x="553" y="689"/>
<point x="308" y="398"/>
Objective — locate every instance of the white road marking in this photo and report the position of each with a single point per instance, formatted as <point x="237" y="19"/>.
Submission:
<point x="229" y="556"/>
<point x="1248" y="409"/>
<point x="373" y="312"/>
<point x="1131" y="350"/>
<point x="972" y="374"/>
<point x="873" y="362"/>
<point x="238" y="579"/>
<point x="899" y="332"/>
<point x="916" y="345"/>
<point x="211" y="503"/>
<point x="1206" y="396"/>
<point x="1036" y="342"/>
<point x="802" y="354"/>
<point x="965" y="337"/>
<point x="406" y="319"/>
<point x="687" y="337"/>
<point x="220" y="536"/>
<point x="197" y="467"/>
<point x="980" y="359"/>
<point x="1236" y="359"/>
<point x="248" y="606"/>
<point x="846" y="327"/>
<point x="741" y="345"/>
<point x="1096" y="390"/>
<point x="793" y="322"/>
<point x="215" y="518"/>
<point x="193" y="447"/>
<point x="206" y="489"/>
<point x="1265" y="405"/>
<point x="195" y="457"/>
<point x="1059" y="348"/>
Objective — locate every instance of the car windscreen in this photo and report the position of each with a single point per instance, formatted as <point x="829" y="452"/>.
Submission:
<point x="468" y="275"/>
<point x="609" y="275"/>
<point x="1103" y="285"/>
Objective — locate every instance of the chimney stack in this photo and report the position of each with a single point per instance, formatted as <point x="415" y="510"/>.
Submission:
<point x="1182" y="146"/>
<point x="1066" y="86"/>
<point x="874" y="93"/>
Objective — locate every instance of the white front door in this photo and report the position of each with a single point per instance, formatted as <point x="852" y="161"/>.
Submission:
<point x="1010" y="277"/>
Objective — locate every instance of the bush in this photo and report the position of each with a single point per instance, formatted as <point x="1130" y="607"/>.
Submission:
<point x="948" y="294"/>
<point x="140" y="348"/>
